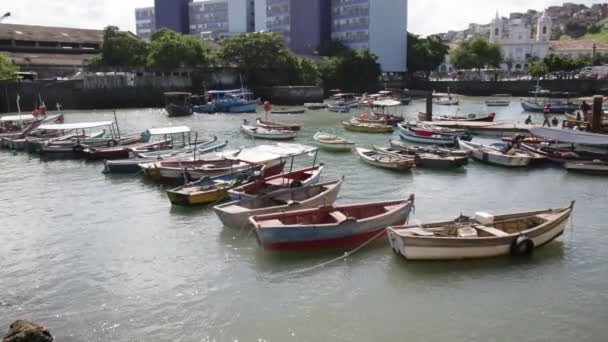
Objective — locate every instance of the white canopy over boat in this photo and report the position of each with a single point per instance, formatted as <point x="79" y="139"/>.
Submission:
<point x="72" y="126"/>
<point x="169" y="130"/>
<point x="570" y="136"/>
<point x="387" y="103"/>
<point x="264" y="153"/>
<point x="17" y="118"/>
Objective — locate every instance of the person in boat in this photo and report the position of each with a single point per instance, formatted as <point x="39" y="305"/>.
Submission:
<point x="529" y="120"/>
<point x="585" y="108"/>
<point x="547" y="115"/>
<point x="578" y="115"/>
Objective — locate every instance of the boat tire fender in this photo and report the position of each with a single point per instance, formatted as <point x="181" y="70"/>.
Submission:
<point x="295" y="184"/>
<point x="78" y="149"/>
<point x="112" y="143"/>
<point x="522" y="246"/>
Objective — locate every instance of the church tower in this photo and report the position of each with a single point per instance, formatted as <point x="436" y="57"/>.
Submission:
<point x="544" y="28"/>
<point x="496" y="32"/>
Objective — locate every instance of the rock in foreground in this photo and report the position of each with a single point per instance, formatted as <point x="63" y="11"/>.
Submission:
<point x="26" y="331"/>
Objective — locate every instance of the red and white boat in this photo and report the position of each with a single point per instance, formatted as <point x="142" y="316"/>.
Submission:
<point x="329" y="227"/>
<point x="296" y="178"/>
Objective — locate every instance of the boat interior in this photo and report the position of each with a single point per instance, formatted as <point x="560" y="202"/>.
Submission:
<point x="286" y="198"/>
<point x="330" y="215"/>
<point x="282" y="181"/>
<point x="483" y="225"/>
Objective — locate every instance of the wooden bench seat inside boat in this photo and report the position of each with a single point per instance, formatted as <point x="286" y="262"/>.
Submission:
<point x="419" y="231"/>
<point x="271" y="223"/>
<point x="491" y="231"/>
<point x="338" y="216"/>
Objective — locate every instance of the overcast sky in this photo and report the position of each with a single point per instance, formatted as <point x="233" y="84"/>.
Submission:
<point x="425" y="16"/>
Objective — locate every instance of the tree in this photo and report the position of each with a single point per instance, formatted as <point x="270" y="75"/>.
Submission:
<point x="122" y="49"/>
<point x="8" y="68"/>
<point x="333" y="48"/>
<point x="355" y="71"/>
<point x="537" y="70"/>
<point x="575" y="29"/>
<point x="254" y="51"/>
<point x="310" y="72"/>
<point x="169" y="49"/>
<point x="476" y="53"/>
<point x="425" y="54"/>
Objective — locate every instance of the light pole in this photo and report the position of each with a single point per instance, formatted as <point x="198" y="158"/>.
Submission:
<point x="4" y="16"/>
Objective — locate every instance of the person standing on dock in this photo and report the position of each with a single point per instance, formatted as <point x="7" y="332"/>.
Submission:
<point x="547" y="114"/>
<point x="585" y="108"/>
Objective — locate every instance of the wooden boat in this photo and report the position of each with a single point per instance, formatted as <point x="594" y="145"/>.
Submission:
<point x="446" y="102"/>
<point x="356" y="126"/>
<point x="338" y="108"/>
<point x="236" y="214"/>
<point x="498" y="103"/>
<point x="597" y="167"/>
<point x="315" y="106"/>
<point x="489" y="117"/>
<point x="560" y="153"/>
<point x="557" y="107"/>
<point x="381" y="119"/>
<point x="277" y="125"/>
<point x="332" y="142"/>
<point x="329" y="227"/>
<point x="176" y="148"/>
<point x="212" y="190"/>
<point x="436" y="160"/>
<point x="269" y="134"/>
<point x="178" y="104"/>
<point x="385" y="160"/>
<point x="298" y="178"/>
<point x="121" y="150"/>
<point x="535" y="158"/>
<point x="483" y="236"/>
<point x="494" y="156"/>
<point x="425" y="136"/>
<point x="288" y="111"/>
<point x="414" y="149"/>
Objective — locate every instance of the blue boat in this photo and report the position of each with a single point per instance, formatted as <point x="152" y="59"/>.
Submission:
<point x="229" y="101"/>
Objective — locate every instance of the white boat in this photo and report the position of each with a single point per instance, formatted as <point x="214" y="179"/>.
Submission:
<point x="338" y="108"/>
<point x="270" y="134"/>
<point x="597" y="167"/>
<point x="492" y="155"/>
<point x="332" y="142"/>
<point x="446" y="101"/>
<point x="498" y="103"/>
<point x="385" y="160"/>
<point x="482" y="236"/>
<point x="236" y="214"/>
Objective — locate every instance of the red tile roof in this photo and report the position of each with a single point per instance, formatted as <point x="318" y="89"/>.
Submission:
<point x="576" y="45"/>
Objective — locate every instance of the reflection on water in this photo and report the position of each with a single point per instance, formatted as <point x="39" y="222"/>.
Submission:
<point x="99" y="257"/>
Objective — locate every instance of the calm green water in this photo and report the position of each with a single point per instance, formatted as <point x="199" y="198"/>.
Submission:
<point x="99" y="258"/>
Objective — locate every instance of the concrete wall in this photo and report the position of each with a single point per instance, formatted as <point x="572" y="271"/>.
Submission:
<point x="291" y="96"/>
<point x="388" y="33"/>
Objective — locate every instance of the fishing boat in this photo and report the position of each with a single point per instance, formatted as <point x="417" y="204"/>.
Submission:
<point x="563" y="153"/>
<point x="596" y="167"/>
<point x="415" y="149"/>
<point x="498" y="103"/>
<point x="332" y="142"/>
<point x="329" y="226"/>
<point x="288" y="111"/>
<point x="338" y="108"/>
<point x="315" y="106"/>
<point x="446" y="101"/>
<point x="291" y="179"/>
<point x="489" y="117"/>
<point x="381" y="119"/>
<point x="83" y="137"/>
<point x="571" y="147"/>
<point x="178" y="103"/>
<point x="386" y="160"/>
<point x="425" y="135"/>
<point x="356" y="126"/>
<point x="429" y="159"/>
<point x="229" y="101"/>
<point x="557" y="107"/>
<point x="277" y="125"/>
<point x="212" y="190"/>
<point x="236" y="214"/>
<point x="482" y="236"/>
<point x="266" y="133"/>
<point x="495" y="156"/>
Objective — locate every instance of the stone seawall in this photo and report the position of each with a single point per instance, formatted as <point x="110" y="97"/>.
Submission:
<point x="292" y="95"/>
<point x="516" y="88"/>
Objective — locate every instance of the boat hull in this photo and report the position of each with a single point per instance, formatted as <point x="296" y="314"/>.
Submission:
<point x="588" y="167"/>
<point x="177" y="110"/>
<point x="379" y="129"/>
<point x="495" y="158"/>
<point x="413" y="248"/>
<point x="555" y="108"/>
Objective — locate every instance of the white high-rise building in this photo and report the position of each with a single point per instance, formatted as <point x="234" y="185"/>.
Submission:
<point x="145" y="22"/>
<point x="216" y="19"/>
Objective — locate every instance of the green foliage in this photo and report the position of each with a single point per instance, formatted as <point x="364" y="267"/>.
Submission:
<point x="333" y="48"/>
<point x="537" y="69"/>
<point x="251" y="51"/>
<point x="169" y="49"/>
<point x="309" y="72"/>
<point x="575" y="29"/>
<point x="354" y="71"/>
<point x="8" y="69"/>
<point x="122" y="49"/>
<point x="476" y="53"/>
<point x="555" y="63"/>
<point x="601" y="35"/>
<point x="425" y="54"/>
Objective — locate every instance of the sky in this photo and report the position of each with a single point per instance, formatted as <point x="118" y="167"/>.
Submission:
<point x="425" y="16"/>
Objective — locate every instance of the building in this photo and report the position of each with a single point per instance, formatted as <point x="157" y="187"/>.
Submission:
<point x="172" y="14"/>
<point x="578" y="48"/>
<point x="218" y="19"/>
<point x="377" y="25"/>
<point x="145" y="22"/>
<point x="49" y="51"/>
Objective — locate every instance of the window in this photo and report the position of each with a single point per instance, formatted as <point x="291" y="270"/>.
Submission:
<point x="544" y="29"/>
<point x="496" y="32"/>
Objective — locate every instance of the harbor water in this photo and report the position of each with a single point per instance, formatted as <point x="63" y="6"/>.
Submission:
<point x="107" y="258"/>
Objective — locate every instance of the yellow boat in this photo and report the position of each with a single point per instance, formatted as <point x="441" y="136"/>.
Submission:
<point x="366" y="128"/>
